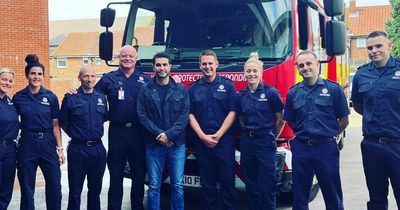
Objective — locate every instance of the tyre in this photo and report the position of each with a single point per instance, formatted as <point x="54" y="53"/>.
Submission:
<point x="313" y="192"/>
<point x="288" y="197"/>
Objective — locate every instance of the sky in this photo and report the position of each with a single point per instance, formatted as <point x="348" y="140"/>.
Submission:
<point x="81" y="9"/>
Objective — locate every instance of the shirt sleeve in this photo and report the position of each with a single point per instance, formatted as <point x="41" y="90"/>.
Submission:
<point x="238" y="106"/>
<point x="192" y="104"/>
<point x="231" y="97"/>
<point x="106" y="115"/>
<point x="288" y="114"/>
<point x="64" y="111"/>
<point x="341" y="105"/>
<point x="55" y="107"/>
<point x="356" y="97"/>
<point x="101" y="85"/>
<point x="276" y="101"/>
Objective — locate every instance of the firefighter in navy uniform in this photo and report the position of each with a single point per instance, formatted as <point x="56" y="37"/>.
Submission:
<point x="212" y="113"/>
<point x="259" y="109"/>
<point x="9" y="127"/>
<point x="125" y="132"/>
<point x="82" y="117"/>
<point x="40" y="143"/>
<point x="376" y="96"/>
<point x="317" y="111"/>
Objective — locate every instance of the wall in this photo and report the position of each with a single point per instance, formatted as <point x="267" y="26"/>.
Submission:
<point x="63" y="79"/>
<point x="24" y="29"/>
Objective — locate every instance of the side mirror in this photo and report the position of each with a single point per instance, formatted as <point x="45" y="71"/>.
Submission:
<point x="107" y="17"/>
<point x="106" y="46"/>
<point x="334" y="7"/>
<point x="335" y="38"/>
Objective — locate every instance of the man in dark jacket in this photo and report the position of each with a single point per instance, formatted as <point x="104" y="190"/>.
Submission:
<point x="163" y="109"/>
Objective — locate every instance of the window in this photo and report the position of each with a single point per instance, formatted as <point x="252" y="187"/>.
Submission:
<point x="303" y="21"/>
<point x="86" y="61"/>
<point x="318" y="33"/>
<point x="315" y="31"/>
<point x="355" y="14"/>
<point x="97" y="61"/>
<point x="361" y="42"/>
<point x="62" y="63"/>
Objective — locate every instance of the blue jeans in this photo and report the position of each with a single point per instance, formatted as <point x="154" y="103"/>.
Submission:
<point x="155" y="164"/>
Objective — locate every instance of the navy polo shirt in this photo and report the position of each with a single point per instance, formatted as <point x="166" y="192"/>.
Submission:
<point x="377" y="91"/>
<point x="313" y="112"/>
<point x="84" y="115"/>
<point x="122" y="111"/>
<point x="9" y="124"/>
<point x="38" y="110"/>
<point x="211" y="102"/>
<point x="257" y="110"/>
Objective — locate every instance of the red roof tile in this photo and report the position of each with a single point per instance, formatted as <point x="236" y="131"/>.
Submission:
<point x="369" y="19"/>
<point x="87" y="43"/>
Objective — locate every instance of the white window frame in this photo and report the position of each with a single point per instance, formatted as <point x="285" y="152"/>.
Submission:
<point x="97" y="61"/>
<point x="361" y="42"/>
<point x="86" y="61"/>
<point x="62" y="59"/>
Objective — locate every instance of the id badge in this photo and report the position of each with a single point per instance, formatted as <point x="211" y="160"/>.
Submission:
<point x="121" y="95"/>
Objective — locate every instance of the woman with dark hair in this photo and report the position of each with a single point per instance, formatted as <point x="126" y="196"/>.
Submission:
<point x="40" y="143"/>
<point x="9" y="126"/>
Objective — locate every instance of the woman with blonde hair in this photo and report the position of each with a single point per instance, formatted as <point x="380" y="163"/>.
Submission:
<point x="259" y="109"/>
<point x="9" y="126"/>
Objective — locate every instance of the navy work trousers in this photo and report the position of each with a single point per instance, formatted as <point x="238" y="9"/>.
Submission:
<point x="7" y="172"/>
<point x="217" y="165"/>
<point x="126" y="144"/>
<point x="321" y="159"/>
<point x="85" y="161"/>
<point x="33" y="152"/>
<point x="381" y="162"/>
<point x="258" y="162"/>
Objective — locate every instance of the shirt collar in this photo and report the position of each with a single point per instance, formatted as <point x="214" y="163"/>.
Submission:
<point x="320" y="81"/>
<point x="120" y="72"/>
<point x="4" y="99"/>
<point x="41" y="90"/>
<point x="217" y="79"/>
<point x="259" y="87"/>
<point x="391" y="63"/>
<point x="80" y="90"/>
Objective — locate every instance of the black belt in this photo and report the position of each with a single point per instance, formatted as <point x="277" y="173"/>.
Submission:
<point x="311" y="141"/>
<point x="383" y="139"/>
<point x="255" y="133"/>
<point x="36" y="135"/>
<point x="6" y="142"/>
<point x="122" y="124"/>
<point x="88" y="143"/>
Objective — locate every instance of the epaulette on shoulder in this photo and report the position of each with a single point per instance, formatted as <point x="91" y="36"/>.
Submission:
<point x="227" y="79"/>
<point x="47" y="90"/>
<point x="294" y="86"/>
<point x="362" y="66"/>
<point x="266" y="85"/>
<point x="331" y="81"/>
<point x="397" y="60"/>
<point x="194" y="83"/>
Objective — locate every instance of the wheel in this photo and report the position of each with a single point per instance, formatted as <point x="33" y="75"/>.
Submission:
<point x="288" y="196"/>
<point x="313" y="192"/>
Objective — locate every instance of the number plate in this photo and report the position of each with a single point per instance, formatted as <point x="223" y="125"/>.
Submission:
<point x="191" y="181"/>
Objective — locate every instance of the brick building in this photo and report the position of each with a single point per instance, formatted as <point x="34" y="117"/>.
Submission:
<point x="24" y="29"/>
<point x="81" y="48"/>
<point x="360" y="22"/>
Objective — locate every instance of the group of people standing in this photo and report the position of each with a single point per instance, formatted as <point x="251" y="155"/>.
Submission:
<point x="148" y="119"/>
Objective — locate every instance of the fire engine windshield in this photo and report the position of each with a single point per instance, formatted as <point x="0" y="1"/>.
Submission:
<point x="232" y="28"/>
